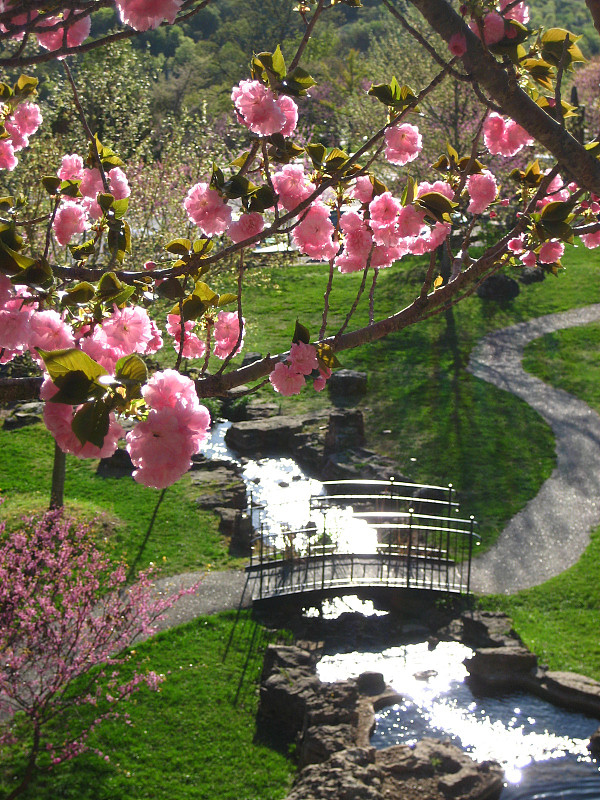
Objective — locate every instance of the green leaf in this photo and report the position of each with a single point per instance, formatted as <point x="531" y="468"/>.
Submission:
<point x="6" y="203"/>
<point x="191" y="308"/>
<point x="298" y="82"/>
<point x="393" y="95"/>
<point x="217" y="178"/>
<point x="180" y="247"/>
<point x="80" y="294"/>
<point x="556" y="211"/>
<point x="105" y="200"/>
<point x="119" y="207"/>
<point x="553" y="45"/>
<point x="91" y="423"/>
<point x="408" y="195"/>
<point x="51" y="184"/>
<point x="327" y="357"/>
<point x="238" y="186"/>
<point x="70" y="188"/>
<point x="75" y="388"/>
<point x="205" y="293"/>
<point x="60" y="362"/>
<point x="317" y="153"/>
<point x="81" y="251"/>
<point x="225" y="299"/>
<point x="112" y="290"/>
<point x="301" y="334"/>
<point x="132" y="372"/>
<point x="37" y="274"/>
<point x="437" y="206"/>
<point x="12" y="262"/>
<point x="26" y="86"/>
<point x="260" y="200"/>
<point x="10" y="237"/>
<point x="171" y="289"/>
<point x="5" y="92"/>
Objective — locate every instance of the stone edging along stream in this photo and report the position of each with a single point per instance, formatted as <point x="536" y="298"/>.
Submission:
<point x="331" y="723"/>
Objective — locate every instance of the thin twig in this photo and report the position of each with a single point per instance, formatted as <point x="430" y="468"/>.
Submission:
<point x="326" y="300"/>
<point x="361" y="289"/>
<point x="307" y="33"/>
<point x="372" y="296"/>
<point x="236" y="346"/>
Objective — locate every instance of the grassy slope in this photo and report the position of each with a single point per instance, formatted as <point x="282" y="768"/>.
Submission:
<point x="559" y="619"/>
<point x="183" y="537"/>
<point x="444" y="425"/>
<point x="194" y="740"/>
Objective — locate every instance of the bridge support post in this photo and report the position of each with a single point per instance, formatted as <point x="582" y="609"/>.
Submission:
<point x="471" y="533"/>
<point x="411" y="511"/>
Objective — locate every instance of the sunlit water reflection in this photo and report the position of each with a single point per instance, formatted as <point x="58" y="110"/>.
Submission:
<point x="534" y="741"/>
<point x="282" y="490"/>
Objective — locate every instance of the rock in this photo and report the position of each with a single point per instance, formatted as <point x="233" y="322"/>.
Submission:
<point x="257" y="410"/>
<point x="501" y="666"/>
<point x="573" y="691"/>
<point x="347" y="382"/>
<point x="236" y="525"/>
<point x="220" y="486"/>
<point x="319" y="742"/>
<point x="116" y="466"/>
<point x="345" y="430"/>
<point x="349" y="775"/>
<point x="498" y="287"/>
<point x="370" y="683"/>
<point x="488" y="629"/>
<point x="594" y="743"/>
<point x="250" y="358"/>
<point x="24" y="414"/>
<point x="529" y="275"/>
<point x="263" y="435"/>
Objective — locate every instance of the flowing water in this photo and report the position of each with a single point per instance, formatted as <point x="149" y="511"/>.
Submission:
<point x="541" y="747"/>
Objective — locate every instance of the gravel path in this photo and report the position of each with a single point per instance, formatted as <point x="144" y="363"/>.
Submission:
<point x="553" y="529"/>
<point x="543" y="539"/>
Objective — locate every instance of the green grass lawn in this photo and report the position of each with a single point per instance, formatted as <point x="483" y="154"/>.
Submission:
<point x="194" y="740"/>
<point x="559" y="619"/>
<point x="182" y="538"/>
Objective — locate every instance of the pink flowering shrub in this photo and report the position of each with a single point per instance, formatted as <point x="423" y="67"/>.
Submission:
<point x="65" y="614"/>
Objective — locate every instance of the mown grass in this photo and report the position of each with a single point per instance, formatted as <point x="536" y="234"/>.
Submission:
<point x="559" y="619"/>
<point x="194" y="740"/>
<point x="183" y="537"/>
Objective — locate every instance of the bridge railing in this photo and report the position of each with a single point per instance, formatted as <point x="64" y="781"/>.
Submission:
<point x="407" y="548"/>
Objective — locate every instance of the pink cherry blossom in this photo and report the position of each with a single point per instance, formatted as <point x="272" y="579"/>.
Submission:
<point x="193" y="347"/>
<point x="504" y="137"/>
<point x="155" y="343"/>
<point x="91" y="183"/>
<point x="493" y="28"/>
<point x="550" y="252"/>
<point x="384" y="209"/>
<point x="286" y="380"/>
<point x="119" y="187"/>
<point x="303" y="358"/>
<point x="227" y="332"/>
<point x="457" y="44"/>
<point x="71" y="168"/>
<point x="516" y="245"/>
<point x="48" y="330"/>
<point x="167" y="388"/>
<point x="8" y="160"/>
<point x="58" y="418"/>
<point x="77" y="33"/>
<point x="441" y="187"/>
<point x="143" y="15"/>
<point x="518" y="12"/>
<point x="18" y="139"/>
<point x="14" y="328"/>
<point x="320" y="382"/>
<point x="591" y="240"/>
<point x="403" y="143"/>
<point x="313" y="235"/>
<point x="290" y="111"/>
<point x="362" y="189"/>
<point x="97" y="347"/>
<point x="529" y="259"/>
<point x="482" y="189"/>
<point x="292" y="185"/>
<point x="246" y="226"/>
<point x="410" y="221"/>
<point x="28" y="117"/>
<point x="71" y="218"/>
<point x="128" y="330"/>
<point x="207" y="209"/>
<point x="258" y="108"/>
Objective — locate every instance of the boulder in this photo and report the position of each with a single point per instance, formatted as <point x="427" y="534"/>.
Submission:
<point x="24" y="414"/>
<point x="501" y="666"/>
<point x="348" y="775"/>
<point x="347" y="382"/>
<point x="488" y="629"/>
<point x="594" y="743"/>
<point x="498" y="287"/>
<point x="237" y="526"/>
<point x="273" y="434"/>
<point x="220" y="486"/>
<point x="371" y="683"/>
<point x="345" y="430"/>
<point x="258" y="410"/>
<point x="116" y="466"/>
<point x="571" y="690"/>
<point x="529" y="275"/>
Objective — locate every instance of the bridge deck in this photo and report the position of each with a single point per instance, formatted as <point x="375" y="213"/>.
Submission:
<point x="346" y="571"/>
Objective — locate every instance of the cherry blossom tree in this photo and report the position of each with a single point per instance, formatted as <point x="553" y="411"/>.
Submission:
<point x="80" y="305"/>
<point x="65" y="621"/>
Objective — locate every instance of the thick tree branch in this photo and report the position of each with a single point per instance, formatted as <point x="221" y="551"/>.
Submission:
<point x="594" y="8"/>
<point x="514" y="101"/>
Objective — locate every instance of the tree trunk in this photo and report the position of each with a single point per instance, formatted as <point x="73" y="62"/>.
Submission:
<point x="29" y="769"/>
<point x="57" y="490"/>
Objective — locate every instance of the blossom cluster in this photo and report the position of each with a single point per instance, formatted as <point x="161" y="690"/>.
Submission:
<point x="22" y="123"/>
<point x="289" y="377"/>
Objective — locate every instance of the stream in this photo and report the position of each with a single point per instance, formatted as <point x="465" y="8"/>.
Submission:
<point x="542" y="748"/>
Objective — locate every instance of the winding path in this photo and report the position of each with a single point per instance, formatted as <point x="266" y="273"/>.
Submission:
<point x="545" y="537"/>
<point x="553" y="529"/>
